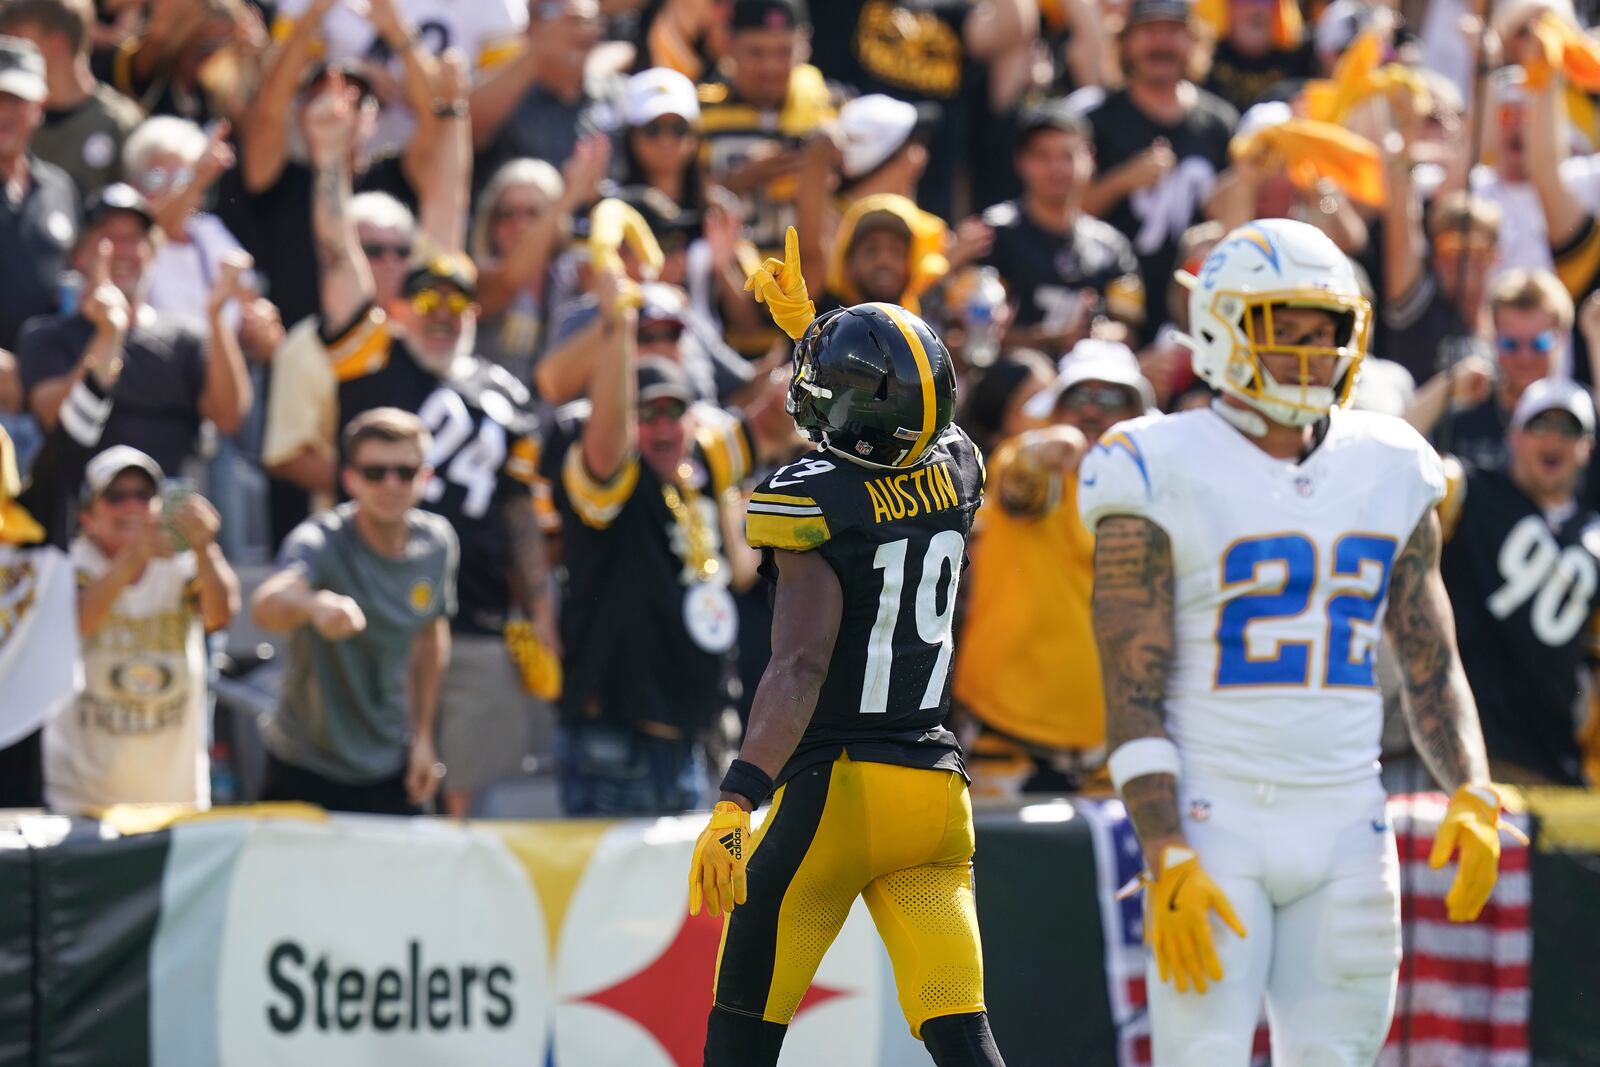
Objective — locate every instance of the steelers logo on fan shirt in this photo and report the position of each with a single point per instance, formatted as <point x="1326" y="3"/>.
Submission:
<point x="60" y="228"/>
<point x="421" y="595"/>
<point x="98" y="149"/>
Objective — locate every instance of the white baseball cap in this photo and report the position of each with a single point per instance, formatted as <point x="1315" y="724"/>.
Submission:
<point x="1263" y="116"/>
<point x="104" y="468"/>
<point x="872" y="128"/>
<point x="1554" y="394"/>
<point x="22" y="70"/>
<point x="659" y="91"/>
<point x="1092" y="360"/>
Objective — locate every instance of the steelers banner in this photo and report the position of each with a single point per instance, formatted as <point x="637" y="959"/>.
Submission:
<point x="351" y="941"/>
<point x="253" y="938"/>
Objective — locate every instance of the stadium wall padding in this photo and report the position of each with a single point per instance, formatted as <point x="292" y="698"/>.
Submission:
<point x="255" y="940"/>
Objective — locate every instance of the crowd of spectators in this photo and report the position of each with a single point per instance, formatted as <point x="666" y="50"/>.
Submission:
<point x="430" y="319"/>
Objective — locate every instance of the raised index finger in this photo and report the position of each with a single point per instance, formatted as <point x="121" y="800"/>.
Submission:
<point x="791" y="258"/>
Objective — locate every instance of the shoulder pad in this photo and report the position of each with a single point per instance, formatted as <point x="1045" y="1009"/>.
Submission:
<point x="507" y="383"/>
<point x="784" y="512"/>
<point x="724" y="446"/>
<point x="969" y="462"/>
<point x="1412" y="458"/>
<point x="1115" y="476"/>
<point x="788" y="510"/>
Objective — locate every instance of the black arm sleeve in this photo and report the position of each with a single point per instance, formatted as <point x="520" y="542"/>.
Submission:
<point x="51" y="484"/>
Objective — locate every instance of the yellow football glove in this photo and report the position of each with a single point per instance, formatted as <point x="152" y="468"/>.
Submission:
<point x="781" y="286"/>
<point x="717" y="870"/>
<point x="1177" y="925"/>
<point x="614" y="223"/>
<point x="1471" y="828"/>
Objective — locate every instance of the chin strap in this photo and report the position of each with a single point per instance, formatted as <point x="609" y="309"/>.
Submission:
<point x="1246" y="422"/>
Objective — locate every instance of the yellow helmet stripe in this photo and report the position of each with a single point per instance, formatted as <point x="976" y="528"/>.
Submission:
<point x="930" y="404"/>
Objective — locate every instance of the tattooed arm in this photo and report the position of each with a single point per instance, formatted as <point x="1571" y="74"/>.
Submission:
<point x="529" y="566"/>
<point x="346" y="277"/>
<point x="1439" y="707"/>
<point x="1133" y="626"/>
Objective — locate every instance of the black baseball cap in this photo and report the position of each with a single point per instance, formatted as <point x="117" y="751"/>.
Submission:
<point x="661" y="213"/>
<point x="768" y="15"/>
<point x="658" y="377"/>
<point x="446" y="267"/>
<point x="1158" y="11"/>
<point x="1051" y="115"/>
<point x="118" y="196"/>
<point x="881" y="221"/>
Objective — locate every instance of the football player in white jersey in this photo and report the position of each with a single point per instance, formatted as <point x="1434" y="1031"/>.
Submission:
<point x="1247" y="558"/>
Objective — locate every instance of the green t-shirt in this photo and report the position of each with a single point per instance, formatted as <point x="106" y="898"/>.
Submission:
<point x="343" y="711"/>
<point x="86" y="141"/>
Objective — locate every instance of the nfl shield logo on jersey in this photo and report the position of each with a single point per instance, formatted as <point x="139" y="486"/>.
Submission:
<point x="1199" y="810"/>
<point x="1302" y="485"/>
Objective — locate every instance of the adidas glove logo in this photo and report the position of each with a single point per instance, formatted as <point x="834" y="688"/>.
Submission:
<point x="734" y="843"/>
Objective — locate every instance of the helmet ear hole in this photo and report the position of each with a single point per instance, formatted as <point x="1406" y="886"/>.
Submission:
<point x="882" y="392"/>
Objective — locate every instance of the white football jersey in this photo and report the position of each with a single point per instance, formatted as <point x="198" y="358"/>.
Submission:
<point x="1281" y="574"/>
<point x="487" y="32"/>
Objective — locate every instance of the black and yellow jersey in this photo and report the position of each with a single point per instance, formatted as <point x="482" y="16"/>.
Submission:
<point x="1577" y="264"/>
<point x="485" y="451"/>
<point x="733" y="132"/>
<point x="897" y="540"/>
<point x="630" y="650"/>
<point x="1523" y="586"/>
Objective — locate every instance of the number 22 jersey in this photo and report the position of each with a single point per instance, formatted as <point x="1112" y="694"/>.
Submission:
<point x="1281" y="573"/>
<point x="897" y="540"/>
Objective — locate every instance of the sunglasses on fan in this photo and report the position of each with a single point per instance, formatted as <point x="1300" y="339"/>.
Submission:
<point x="377" y="473"/>
<point x="427" y="301"/>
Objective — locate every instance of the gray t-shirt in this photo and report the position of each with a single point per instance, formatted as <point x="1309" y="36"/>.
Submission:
<point x="343" y="711"/>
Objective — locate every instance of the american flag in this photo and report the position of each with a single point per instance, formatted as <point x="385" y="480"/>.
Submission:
<point x="1464" y="989"/>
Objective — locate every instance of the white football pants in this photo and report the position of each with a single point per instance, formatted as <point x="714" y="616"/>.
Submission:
<point x="1315" y="878"/>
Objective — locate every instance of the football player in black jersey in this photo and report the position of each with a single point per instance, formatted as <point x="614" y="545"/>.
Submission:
<point x="1522" y="564"/>
<point x="865" y="540"/>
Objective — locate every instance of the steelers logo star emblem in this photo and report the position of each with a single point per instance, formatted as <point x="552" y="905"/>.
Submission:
<point x="421" y="595"/>
<point x="710" y="616"/>
<point x="98" y="149"/>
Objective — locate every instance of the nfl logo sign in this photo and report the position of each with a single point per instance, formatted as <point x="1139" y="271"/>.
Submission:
<point x="1302" y="485"/>
<point x="1199" y="810"/>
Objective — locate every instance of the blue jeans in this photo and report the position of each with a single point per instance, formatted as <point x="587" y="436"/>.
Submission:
<point x="616" y="770"/>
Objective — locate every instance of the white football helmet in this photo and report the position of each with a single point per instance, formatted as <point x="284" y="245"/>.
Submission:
<point x="1262" y="265"/>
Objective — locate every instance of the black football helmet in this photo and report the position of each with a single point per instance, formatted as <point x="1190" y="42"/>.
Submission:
<point x="873" y="384"/>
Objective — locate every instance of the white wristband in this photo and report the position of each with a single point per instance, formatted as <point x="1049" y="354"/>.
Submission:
<point x="1142" y="756"/>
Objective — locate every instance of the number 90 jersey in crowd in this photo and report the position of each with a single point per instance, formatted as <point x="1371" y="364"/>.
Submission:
<point x="1281" y="571"/>
<point x="1524" y="587"/>
<point x="897" y="539"/>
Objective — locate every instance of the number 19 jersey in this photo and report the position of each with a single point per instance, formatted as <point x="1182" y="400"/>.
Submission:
<point x="1281" y="572"/>
<point x="897" y="540"/>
